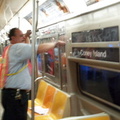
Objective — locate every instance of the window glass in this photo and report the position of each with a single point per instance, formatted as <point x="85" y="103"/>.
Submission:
<point x="103" y="84"/>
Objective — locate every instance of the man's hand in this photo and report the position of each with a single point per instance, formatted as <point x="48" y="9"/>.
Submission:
<point x="60" y="43"/>
<point x="28" y="33"/>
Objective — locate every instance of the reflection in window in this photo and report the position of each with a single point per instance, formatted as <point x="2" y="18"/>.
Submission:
<point x="96" y="35"/>
<point x="39" y="62"/>
<point x="49" y="62"/>
<point x="101" y="83"/>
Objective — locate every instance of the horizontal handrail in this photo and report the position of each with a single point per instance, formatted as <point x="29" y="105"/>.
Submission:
<point x="39" y="78"/>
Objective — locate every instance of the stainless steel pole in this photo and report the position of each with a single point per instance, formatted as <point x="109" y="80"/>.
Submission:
<point x="33" y="57"/>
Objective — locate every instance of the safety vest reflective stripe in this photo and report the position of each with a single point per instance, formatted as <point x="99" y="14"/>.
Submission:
<point x="18" y="71"/>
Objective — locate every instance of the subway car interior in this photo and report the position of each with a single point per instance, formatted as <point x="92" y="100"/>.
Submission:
<point x="78" y="81"/>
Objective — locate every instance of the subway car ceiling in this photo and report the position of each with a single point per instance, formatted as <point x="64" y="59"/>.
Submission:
<point x="49" y="12"/>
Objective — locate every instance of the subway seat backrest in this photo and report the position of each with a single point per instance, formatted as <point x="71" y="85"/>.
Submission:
<point x="49" y="96"/>
<point x="57" y="101"/>
<point x="61" y="105"/>
<point x="40" y="94"/>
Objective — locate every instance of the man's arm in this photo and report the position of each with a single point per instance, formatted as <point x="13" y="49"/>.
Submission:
<point x="47" y="46"/>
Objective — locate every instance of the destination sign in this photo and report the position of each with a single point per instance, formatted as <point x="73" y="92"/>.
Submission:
<point x="105" y="54"/>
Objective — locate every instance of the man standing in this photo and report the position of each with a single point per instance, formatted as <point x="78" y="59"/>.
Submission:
<point x="17" y="79"/>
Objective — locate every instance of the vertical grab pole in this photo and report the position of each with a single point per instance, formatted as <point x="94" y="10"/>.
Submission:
<point x="60" y="69"/>
<point x="33" y="58"/>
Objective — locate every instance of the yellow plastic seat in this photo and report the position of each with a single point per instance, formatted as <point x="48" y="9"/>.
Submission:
<point x="49" y="95"/>
<point x="40" y="94"/>
<point x="99" y="116"/>
<point x="60" y="107"/>
<point x="45" y="102"/>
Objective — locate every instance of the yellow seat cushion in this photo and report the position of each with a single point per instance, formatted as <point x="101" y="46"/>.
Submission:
<point x="40" y="94"/>
<point x="57" y="111"/>
<point x="49" y="95"/>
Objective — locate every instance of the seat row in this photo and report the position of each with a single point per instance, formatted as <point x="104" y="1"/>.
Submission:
<point x="50" y="103"/>
<point x="54" y="104"/>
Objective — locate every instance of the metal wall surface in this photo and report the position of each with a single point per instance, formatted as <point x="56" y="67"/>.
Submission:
<point x="100" y="19"/>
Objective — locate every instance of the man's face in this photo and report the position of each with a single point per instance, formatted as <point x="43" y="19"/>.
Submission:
<point x="19" y="37"/>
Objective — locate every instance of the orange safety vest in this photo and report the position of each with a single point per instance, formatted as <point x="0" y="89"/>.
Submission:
<point x="4" y="66"/>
